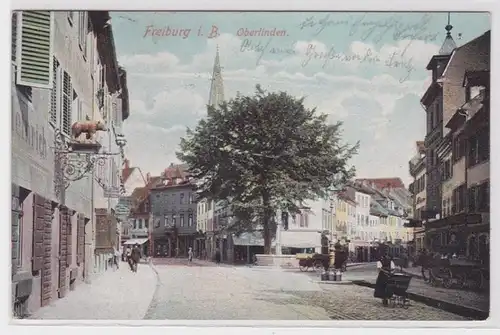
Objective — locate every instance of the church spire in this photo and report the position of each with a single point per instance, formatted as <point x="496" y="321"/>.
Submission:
<point x="448" y="44"/>
<point x="217" y="85"/>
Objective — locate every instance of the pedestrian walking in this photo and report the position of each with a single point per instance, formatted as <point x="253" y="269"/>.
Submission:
<point x="128" y="258"/>
<point x="116" y="258"/>
<point x="385" y="267"/>
<point x="217" y="256"/>
<point x="136" y="257"/>
<point x="190" y="255"/>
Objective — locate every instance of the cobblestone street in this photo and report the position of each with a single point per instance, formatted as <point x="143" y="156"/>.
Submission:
<point x="208" y="292"/>
<point x="243" y="293"/>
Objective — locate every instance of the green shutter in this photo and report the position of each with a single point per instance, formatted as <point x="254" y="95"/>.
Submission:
<point x="35" y="63"/>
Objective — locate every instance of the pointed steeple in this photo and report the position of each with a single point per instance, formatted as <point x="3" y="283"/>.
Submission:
<point x="217" y="85"/>
<point x="448" y="44"/>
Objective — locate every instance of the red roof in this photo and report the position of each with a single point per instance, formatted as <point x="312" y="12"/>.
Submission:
<point x="382" y="183"/>
<point x="127" y="170"/>
<point x="175" y="171"/>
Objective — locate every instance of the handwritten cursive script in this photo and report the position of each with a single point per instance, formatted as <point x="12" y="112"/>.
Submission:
<point x="373" y="30"/>
<point x="395" y="60"/>
<point x="265" y="47"/>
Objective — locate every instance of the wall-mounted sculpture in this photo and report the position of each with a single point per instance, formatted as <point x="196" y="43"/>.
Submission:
<point x="87" y="127"/>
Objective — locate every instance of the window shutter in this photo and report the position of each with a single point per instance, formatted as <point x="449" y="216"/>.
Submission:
<point x="14" y="36"/>
<point x="67" y="97"/>
<point x="35" y="61"/>
<point x="80" y="239"/>
<point x="81" y="35"/>
<point x="69" y="243"/>
<point x="54" y="92"/>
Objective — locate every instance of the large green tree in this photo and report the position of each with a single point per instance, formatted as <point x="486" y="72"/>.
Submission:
<point x="265" y="153"/>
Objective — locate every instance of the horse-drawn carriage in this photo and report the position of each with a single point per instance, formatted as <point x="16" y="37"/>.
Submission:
<point x="320" y="262"/>
<point x="460" y="272"/>
<point x="310" y="261"/>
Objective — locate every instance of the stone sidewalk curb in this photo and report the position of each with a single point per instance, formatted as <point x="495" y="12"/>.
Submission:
<point x="331" y="282"/>
<point x="465" y="311"/>
<point x="414" y="275"/>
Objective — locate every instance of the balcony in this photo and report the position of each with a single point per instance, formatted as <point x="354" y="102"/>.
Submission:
<point x="434" y="135"/>
<point x="416" y="165"/>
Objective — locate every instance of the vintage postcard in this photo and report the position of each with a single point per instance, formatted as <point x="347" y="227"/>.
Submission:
<point x="250" y="165"/>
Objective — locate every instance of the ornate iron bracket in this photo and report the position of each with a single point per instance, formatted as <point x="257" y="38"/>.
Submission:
<point x="73" y="165"/>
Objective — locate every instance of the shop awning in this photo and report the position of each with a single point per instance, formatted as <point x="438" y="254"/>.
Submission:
<point x="303" y="239"/>
<point x="249" y="239"/>
<point x="136" y="241"/>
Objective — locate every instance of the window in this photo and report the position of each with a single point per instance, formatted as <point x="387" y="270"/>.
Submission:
<point x="479" y="147"/>
<point x="367" y="219"/>
<point x="173" y="220"/>
<point x="135" y="224"/>
<point x="157" y="223"/>
<point x="459" y="197"/>
<point x="16" y="224"/>
<point x="181" y="199"/>
<point x="435" y="115"/>
<point x="358" y="221"/>
<point x="90" y="45"/>
<point x="181" y="220"/>
<point x="82" y="32"/>
<point x="190" y="220"/>
<point x="473" y="91"/>
<point x="33" y="32"/>
<point x="302" y="220"/>
<point x="447" y="172"/>
<point x="479" y="199"/>
<point x="458" y="148"/>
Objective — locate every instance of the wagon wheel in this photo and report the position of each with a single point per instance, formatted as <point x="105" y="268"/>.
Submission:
<point x="432" y="277"/>
<point x="447" y="278"/>
<point x="318" y="267"/>
<point x="462" y="279"/>
<point x="303" y="268"/>
<point x="406" y="303"/>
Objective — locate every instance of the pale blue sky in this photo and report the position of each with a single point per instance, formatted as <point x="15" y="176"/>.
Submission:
<point x="374" y="91"/>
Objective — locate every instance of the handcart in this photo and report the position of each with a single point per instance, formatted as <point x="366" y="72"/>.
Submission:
<point x="397" y="287"/>
<point x="307" y="261"/>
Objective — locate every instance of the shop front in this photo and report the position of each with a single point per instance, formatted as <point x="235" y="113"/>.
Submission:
<point x="467" y="233"/>
<point x="142" y="242"/>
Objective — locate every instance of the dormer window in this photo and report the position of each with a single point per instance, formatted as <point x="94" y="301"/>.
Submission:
<point x="473" y="91"/>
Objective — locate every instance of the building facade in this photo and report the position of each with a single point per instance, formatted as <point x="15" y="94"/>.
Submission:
<point x="418" y="190"/>
<point x="204" y="225"/>
<point x="54" y="221"/>
<point x="131" y="179"/>
<point x="174" y="210"/>
<point x="464" y="153"/>
<point x="138" y="221"/>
